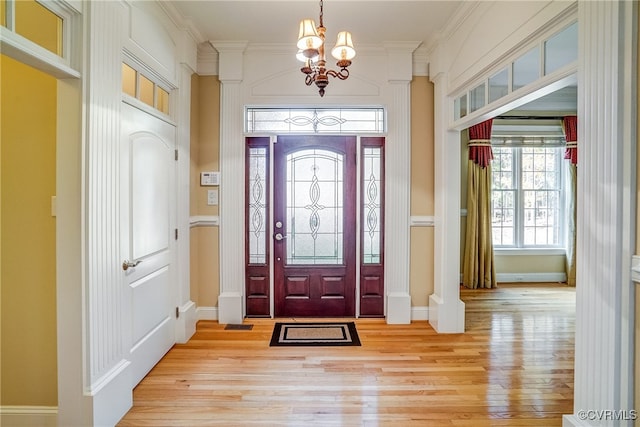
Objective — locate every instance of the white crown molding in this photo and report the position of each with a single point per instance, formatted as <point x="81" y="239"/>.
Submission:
<point x="180" y="21"/>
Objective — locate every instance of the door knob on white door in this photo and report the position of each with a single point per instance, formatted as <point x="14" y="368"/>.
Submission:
<point x="126" y="264"/>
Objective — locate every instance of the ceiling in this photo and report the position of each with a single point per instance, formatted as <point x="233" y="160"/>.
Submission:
<point x="371" y="22"/>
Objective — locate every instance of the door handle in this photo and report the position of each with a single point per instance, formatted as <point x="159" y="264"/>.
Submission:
<point x="126" y="264"/>
<point x="279" y="236"/>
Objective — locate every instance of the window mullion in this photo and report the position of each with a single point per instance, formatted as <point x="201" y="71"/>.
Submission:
<point x="519" y="199"/>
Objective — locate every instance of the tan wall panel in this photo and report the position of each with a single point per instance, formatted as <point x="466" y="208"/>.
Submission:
<point x="195" y="143"/>
<point x="529" y="263"/>
<point x="205" y="149"/>
<point x="422" y="140"/>
<point x="422" y="190"/>
<point x="28" y="264"/>
<point x="209" y="267"/>
<point x="422" y="258"/>
<point x="209" y="138"/>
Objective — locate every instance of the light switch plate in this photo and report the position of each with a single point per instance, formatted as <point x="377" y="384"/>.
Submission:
<point x="212" y="197"/>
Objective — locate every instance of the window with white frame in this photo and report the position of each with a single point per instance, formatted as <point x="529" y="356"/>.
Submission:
<point x="527" y="196"/>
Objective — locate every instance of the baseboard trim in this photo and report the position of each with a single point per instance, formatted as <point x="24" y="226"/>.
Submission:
<point x="531" y="277"/>
<point x="186" y="322"/>
<point x="207" y="313"/>
<point x="211" y="313"/>
<point x="27" y="416"/>
<point x="572" y="421"/>
<point x="420" y="313"/>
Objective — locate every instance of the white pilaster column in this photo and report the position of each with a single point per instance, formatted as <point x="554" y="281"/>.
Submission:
<point x="107" y="382"/>
<point x="605" y="231"/>
<point x="397" y="181"/>
<point x="186" y="321"/>
<point x="232" y="161"/>
<point x="446" y="310"/>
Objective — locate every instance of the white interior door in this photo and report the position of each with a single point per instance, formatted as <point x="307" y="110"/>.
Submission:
<point x="148" y="206"/>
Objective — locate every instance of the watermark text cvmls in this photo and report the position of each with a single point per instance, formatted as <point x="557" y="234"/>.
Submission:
<point x="608" y="414"/>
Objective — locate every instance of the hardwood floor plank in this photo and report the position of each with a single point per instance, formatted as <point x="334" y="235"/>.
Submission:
<point x="512" y="367"/>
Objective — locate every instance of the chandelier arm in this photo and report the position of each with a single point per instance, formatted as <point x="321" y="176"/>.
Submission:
<point x="309" y="79"/>
<point x="343" y="74"/>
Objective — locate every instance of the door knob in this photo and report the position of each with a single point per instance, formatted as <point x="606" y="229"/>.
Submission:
<point x="126" y="264"/>
<point x="279" y="236"/>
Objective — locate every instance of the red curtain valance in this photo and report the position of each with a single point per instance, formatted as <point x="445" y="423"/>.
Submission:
<point x="570" y="125"/>
<point x="480" y="143"/>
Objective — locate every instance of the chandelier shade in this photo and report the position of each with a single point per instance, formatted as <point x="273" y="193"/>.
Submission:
<point x="344" y="47"/>
<point x="311" y="51"/>
<point x="308" y="38"/>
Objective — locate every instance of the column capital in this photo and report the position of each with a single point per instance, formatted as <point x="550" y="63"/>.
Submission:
<point x="230" y="59"/>
<point x="400" y="60"/>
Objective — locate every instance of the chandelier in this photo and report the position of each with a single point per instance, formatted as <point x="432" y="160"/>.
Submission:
<point x="311" y="52"/>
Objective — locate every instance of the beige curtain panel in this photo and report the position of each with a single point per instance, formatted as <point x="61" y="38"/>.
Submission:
<point x="478" y="269"/>
<point x="570" y="126"/>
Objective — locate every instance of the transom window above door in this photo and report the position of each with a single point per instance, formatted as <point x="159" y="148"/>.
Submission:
<point x="370" y="120"/>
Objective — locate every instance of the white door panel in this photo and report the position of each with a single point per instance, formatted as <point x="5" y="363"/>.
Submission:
<point x="150" y="292"/>
<point x="148" y="219"/>
<point x="150" y="166"/>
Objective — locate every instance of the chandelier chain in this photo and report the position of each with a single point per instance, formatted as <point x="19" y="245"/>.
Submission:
<point x="321" y="13"/>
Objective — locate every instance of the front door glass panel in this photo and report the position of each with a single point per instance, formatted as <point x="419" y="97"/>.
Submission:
<point x="315" y="209"/>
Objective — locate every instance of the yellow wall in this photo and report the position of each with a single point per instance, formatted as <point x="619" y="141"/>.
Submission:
<point x="422" y="190"/>
<point x="28" y="264"/>
<point x="205" y="148"/>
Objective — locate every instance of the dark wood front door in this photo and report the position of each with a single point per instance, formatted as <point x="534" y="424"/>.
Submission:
<point x="314" y="226"/>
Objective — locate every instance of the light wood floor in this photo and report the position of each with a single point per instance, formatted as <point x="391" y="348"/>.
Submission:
<point x="512" y="367"/>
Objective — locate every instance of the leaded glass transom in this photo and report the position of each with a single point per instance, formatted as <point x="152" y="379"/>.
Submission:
<point x="315" y="120"/>
<point x="315" y="210"/>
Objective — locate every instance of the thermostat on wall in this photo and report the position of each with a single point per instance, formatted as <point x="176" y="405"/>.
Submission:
<point x="209" y="178"/>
